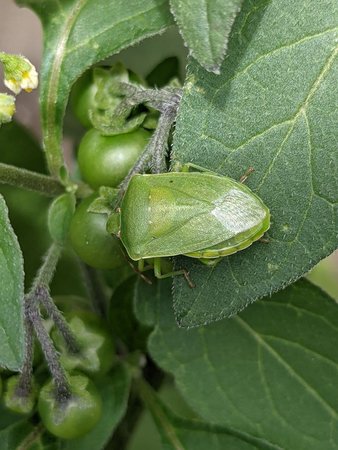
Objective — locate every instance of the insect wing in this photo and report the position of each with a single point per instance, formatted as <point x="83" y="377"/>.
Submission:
<point x="176" y="213"/>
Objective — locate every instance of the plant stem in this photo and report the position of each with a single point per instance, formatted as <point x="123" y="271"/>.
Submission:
<point x="24" y="386"/>
<point x="33" y="181"/>
<point x="157" y="146"/>
<point x="159" y="414"/>
<point x="60" y="322"/>
<point x="159" y="143"/>
<point x="63" y="392"/>
<point x="40" y="292"/>
<point x="46" y="271"/>
<point x="31" y="438"/>
<point x="166" y="101"/>
<point x="159" y="99"/>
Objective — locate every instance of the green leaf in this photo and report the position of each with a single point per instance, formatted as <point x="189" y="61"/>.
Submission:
<point x="103" y="203"/>
<point x="60" y="214"/>
<point x="269" y="372"/>
<point x="146" y="301"/>
<point x="20" y="436"/>
<point x="274" y="107"/>
<point x="114" y="391"/>
<point x="182" y="434"/>
<point x="122" y="320"/>
<point x="79" y="33"/>
<point x="11" y="294"/>
<point x="205" y="26"/>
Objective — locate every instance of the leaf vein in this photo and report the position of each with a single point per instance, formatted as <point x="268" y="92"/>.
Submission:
<point x="302" y="347"/>
<point x="288" y="367"/>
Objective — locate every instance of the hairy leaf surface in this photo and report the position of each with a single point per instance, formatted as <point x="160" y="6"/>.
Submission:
<point x="205" y="26"/>
<point x="274" y="107"/>
<point x="11" y="294"/>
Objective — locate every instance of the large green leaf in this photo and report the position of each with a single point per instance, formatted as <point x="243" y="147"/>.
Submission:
<point x="205" y="26"/>
<point x="11" y="294"/>
<point x="269" y="372"/>
<point x="114" y="390"/>
<point x="184" y="434"/>
<point x="274" y="107"/>
<point x="79" y="33"/>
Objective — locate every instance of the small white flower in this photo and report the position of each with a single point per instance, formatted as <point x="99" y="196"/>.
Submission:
<point x="30" y="80"/>
<point x="13" y="85"/>
<point x="19" y="73"/>
<point x="7" y="108"/>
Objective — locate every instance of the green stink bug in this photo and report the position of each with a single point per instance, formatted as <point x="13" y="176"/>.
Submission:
<point x="197" y="214"/>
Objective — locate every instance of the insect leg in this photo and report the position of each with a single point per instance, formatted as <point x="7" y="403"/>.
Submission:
<point x="160" y="275"/>
<point x="264" y="240"/>
<point x="139" y="269"/>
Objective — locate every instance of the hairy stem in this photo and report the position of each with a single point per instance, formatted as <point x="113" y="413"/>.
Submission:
<point x="166" y="101"/>
<point x="40" y="293"/>
<point x="24" y="386"/>
<point x="60" y="322"/>
<point x="156" y="98"/>
<point x="159" y="143"/>
<point x="46" y="271"/>
<point x="63" y="392"/>
<point x="157" y="146"/>
<point x="33" y="181"/>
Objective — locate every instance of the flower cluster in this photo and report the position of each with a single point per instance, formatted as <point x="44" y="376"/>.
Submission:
<point x="19" y="73"/>
<point x="7" y="107"/>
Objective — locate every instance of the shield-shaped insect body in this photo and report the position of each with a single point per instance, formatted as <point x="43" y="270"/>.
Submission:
<point x="197" y="214"/>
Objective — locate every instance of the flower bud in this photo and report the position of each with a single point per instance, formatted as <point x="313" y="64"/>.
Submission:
<point x="19" y="73"/>
<point x="7" y="108"/>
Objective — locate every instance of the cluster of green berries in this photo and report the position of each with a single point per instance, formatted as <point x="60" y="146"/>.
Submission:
<point x="67" y="418"/>
<point x="105" y="155"/>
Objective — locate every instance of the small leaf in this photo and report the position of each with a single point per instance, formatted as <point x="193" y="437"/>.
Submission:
<point x="205" y="26"/>
<point x="273" y="108"/>
<point x="77" y="34"/>
<point x="269" y="372"/>
<point x="105" y="115"/>
<point x="146" y="301"/>
<point x="11" y="294"/>
<point x="122" y="320"/>
<point x="60" y="214"/>
<point x="104" y="204"/>
<point x="114" y="391"/>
